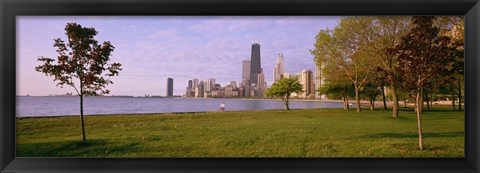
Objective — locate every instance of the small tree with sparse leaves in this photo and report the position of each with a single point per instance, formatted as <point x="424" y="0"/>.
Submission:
<point x="81" y="64"/>
<point x="422" y="55"/>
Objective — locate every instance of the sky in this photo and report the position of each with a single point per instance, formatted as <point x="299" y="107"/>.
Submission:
<point x="154" y="48"/>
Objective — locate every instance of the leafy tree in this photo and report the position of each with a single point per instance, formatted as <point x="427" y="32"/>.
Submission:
<point x="81" y="64"/>
<point x="283" y="88"/>
<point x="371" y="90"/>
<point x="453" y="27"/>
<point x="343" y="91"/>
<point x="341" y="51"/>
<point x="422" y="54"/>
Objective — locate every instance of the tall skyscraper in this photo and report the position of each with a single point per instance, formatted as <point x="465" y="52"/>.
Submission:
<point x="195" y="83"/>
<point x="278" y="68"/>
<point x="201" y="89"/>
<point x="261" y="85"/>
<point x="210" y="84"/>
<point x="245" y="71"/>
<point x="169" y="87"/>
<point x="307" y="81"/>
<point x="255" y="63"/>
<point x="195" y="87"/>
<point x="190" y="84"/>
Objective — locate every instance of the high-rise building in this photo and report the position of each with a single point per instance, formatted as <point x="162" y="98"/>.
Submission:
<point x="210" y="84"/>
<point x="245" y="71"/>
<point x="233" y="84"/>
<point x="195" y="87"/>
<point x="246" y="88"/>
<point x="195" y="83"/>
<point x="287" y="75"/>
<point x="307" y="81"/>
<point x="255" y="63"/>
<point x="278" y="68"/>
<point x="190" y="84"/>
<point x="169" y="87"/>
<point x="201" y="89"/>
<point x="261" y="87"/>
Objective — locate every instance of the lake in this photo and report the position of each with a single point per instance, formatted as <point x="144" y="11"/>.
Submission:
<point x="37" y="106"/>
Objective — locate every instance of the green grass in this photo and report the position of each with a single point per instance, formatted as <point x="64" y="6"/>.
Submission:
<point x="296" y="133"/>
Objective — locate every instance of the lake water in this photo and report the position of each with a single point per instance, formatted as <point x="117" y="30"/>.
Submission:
<point x="34" y="106"/>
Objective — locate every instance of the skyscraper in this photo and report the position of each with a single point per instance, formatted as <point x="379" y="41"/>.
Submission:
<point x="245" y="71"/>
<point x="210" y="84"/>
<point x="195" y="87"/>
<point x="195" y="83"/>
<point x="190" y="84"/>
<point x="201" y="89"/>
<point x="307" y="81"/>
<point x="255" y="63"/>
<point x="261" y="85"/>
<point x="169" y="87"/>
<point x="278" y="68"/>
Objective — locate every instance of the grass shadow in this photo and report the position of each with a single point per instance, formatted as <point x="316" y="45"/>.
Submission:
<point x="415" y="135"/>
<point x="92" y="148"/>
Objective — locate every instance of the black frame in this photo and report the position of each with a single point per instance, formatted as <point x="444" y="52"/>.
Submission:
<point x="10" y="8"/>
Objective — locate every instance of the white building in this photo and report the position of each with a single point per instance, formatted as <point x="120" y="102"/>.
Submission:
<point x="278" y="68"/>
<point x="245" y="71"/>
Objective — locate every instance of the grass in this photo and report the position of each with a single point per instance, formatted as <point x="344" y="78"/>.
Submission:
<point x="295" y="133"/>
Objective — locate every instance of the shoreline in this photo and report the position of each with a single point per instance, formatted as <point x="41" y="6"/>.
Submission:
<point x="164" y="113"/>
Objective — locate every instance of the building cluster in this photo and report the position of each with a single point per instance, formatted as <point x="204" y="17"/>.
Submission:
<point x="253" y="83"/>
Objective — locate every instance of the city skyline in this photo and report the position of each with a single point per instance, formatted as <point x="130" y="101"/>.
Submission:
<point x="151" y="49"/>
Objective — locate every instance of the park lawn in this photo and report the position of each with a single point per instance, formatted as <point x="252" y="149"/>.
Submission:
<point x="273" y="133"/>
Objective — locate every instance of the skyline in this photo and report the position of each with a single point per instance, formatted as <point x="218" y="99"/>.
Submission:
<point x="152" y="49"/>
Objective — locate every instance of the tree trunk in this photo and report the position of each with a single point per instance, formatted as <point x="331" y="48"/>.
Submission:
<point x="395" y="101"/>
<point x="405" y="103"/>
<point x="453" y="96"/>
<point x="345" y="103"/>
<point x="431" y="99"/>
<point x="81" y="115"/>
<point x="420" y="108"/>
<point x="372" y="104"/>
<point x="419" y="120"/>
<point x="285" y="101"/>
<point x="384" y="98"/>
<point x="357" y="99"/>
<point x="459" y="95"/>
<point x="426" y="99"/>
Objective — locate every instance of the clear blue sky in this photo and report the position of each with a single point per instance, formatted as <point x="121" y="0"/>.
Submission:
<point x="153" y="48"/>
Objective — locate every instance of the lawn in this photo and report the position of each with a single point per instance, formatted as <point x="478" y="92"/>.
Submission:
<point x="276" y="133"/>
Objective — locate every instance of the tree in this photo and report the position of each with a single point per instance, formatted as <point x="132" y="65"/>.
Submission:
<point x="339" y="49"/>
<point x="422" y="54"/>
<point x="81" y="64"/>
<point x="371" y="90"/>
<point x="283" y="88"/>
<point x="343" y="91"/>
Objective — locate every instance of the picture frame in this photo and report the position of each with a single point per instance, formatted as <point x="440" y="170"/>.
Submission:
<point x="12" y="8"/>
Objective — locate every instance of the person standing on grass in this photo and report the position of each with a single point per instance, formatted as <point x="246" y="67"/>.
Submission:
<point x="222" y="107"/>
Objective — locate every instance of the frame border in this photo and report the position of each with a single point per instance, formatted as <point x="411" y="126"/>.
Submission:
<point x="9" y="9"/>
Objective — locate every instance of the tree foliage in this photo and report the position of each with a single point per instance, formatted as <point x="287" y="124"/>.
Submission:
<point x="82" y="63"/>
<point x="283" y="88"/>
<point x="422" y="55"/>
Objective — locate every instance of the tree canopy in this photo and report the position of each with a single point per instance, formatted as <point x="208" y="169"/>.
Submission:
<point x="283" y="88"/>
<point x="81" y="64"/>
